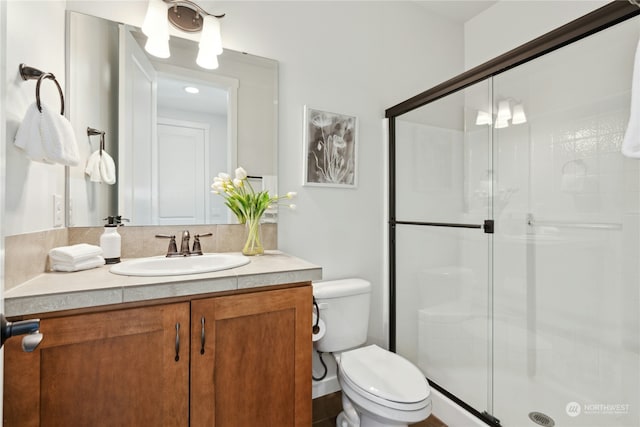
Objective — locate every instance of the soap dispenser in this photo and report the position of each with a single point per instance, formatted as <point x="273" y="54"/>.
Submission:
<point x="110" y="241"/>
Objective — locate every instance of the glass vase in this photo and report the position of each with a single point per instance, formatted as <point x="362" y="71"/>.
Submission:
<point x="253" y="231"/>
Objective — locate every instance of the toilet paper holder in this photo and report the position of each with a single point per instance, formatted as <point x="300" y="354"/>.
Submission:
<point x="318" y="329"/>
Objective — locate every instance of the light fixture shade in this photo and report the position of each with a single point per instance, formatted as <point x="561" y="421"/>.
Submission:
<point x="501" y="124"/>
<point x="156" y="21"/>
<point x="210" y="38"/>
<point x="207" y="59"/>
<point x="483" y="118"/>
<point x="518" y="115"/>
<point x="504" y="111"/>
<point x="158" y="47"/>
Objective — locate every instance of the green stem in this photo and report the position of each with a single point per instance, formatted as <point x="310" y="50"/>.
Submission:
<point x="253" y="246"/>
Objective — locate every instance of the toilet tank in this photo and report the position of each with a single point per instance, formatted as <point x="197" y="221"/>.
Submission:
<point x="344" y="308"/>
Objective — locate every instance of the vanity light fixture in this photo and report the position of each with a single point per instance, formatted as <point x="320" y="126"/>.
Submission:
<point x="483" y="118"/>
<point x="504" y="111"/>
<point x="186" y="16"/>
<point x="156" y="28"/>
<point x="518" y="115"/>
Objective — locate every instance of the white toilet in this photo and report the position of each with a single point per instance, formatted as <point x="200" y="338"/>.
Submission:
<point x="379" y="388"/>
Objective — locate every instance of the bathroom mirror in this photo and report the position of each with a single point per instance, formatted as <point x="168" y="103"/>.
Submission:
<point x="167" y="144"/>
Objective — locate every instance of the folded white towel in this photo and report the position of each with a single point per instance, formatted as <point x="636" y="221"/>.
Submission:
<point x="94" y="262"/>
<point x="101" y="168"/>
<point x="93" y="167"/>
<point x="58" y="138"/>
<point x="28" y="136"/>
<point x="631" y="141"/>
<point x="74" y="253"/>
<point x="107" y="168"/>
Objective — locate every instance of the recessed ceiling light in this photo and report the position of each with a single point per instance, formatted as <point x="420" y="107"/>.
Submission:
<point x="191" y="89"/>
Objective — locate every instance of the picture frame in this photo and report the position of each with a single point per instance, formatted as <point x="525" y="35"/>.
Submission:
<point x="330" y="149"/>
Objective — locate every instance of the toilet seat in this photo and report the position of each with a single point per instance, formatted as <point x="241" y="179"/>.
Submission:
<point x="385" y="378"/>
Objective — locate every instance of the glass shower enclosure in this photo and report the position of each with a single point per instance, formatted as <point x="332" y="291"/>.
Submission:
<point x="515" y="236"/>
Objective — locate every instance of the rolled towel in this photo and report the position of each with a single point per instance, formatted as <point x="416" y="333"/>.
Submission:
<point x="107" y="168"/>
<point x="86" y="264"/>
<point x="58" y="138"/>
<point x="93" y="167"/>
<point x="101" y="168"/>
<point x="74" y="253"/>
<point x="28" y="136"/>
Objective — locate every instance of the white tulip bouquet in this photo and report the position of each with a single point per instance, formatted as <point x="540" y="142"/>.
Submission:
<point x="247" y="204"/>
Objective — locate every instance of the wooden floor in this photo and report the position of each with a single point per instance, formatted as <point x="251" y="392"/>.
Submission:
<point x="327" y="408"/>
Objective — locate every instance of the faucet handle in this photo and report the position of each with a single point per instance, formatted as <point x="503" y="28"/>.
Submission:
<point x="197" y="249"/>
<point x="173" y="248"/>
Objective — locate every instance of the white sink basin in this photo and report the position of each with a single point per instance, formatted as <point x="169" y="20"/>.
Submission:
<point x="163" y="266"/>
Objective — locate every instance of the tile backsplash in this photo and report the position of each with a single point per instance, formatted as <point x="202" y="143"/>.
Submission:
<point x="26" y="255"/>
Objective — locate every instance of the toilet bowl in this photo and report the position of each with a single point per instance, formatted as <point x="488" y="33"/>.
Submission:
<point x="379" y="388"/>
<point x="384" y="389"/>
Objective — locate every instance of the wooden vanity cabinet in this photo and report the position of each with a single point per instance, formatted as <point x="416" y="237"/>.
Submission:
<point x="251" y="359"/>
<point x="113" y="368"/>
<point x="250" y="365"/>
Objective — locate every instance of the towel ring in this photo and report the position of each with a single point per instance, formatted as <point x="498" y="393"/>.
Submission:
<point x="50" y="77"/>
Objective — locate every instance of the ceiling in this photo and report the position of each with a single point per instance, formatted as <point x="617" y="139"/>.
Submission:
<point x="456" y="10"/>
<point x="210" y="100"/>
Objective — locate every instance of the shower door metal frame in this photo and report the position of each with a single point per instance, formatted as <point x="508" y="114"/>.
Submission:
<point x="600" y="19"/>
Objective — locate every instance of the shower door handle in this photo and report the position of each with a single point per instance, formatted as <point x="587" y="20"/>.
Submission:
<point x="487" y="225"/>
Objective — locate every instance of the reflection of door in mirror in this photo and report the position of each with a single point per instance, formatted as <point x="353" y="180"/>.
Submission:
<point x="115" y="86"/>
<point x="173" y="136"/>
<point x="183" y="170"/>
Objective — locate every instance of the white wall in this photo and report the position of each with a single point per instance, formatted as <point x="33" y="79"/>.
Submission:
<point x="358" y="67"/>
<point x="509" y="24"/>
<point x="357" y="58"/>
<point x="30" y="185"/>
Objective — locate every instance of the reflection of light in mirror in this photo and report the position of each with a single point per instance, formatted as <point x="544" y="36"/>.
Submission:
<point x="504" y="112"/>
<point x="483" y="118"/>
<point x="518" y="115"/>
<point x="191" y="89"/>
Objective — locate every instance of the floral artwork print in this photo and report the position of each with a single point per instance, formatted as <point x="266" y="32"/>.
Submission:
<point x="330" y="149"/>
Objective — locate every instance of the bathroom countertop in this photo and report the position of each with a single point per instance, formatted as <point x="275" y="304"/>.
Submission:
<point x="57" y="291"/>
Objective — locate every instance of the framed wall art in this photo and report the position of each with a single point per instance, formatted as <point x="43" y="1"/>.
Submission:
<point x="330" y="149"/>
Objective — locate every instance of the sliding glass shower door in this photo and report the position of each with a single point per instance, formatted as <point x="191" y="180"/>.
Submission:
<point x="443" y="240"/>
<point x="566" y="257"/>
<point x="515" y="238"/>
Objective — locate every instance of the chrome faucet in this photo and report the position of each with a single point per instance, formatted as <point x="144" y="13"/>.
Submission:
<point x="184" y="246"/>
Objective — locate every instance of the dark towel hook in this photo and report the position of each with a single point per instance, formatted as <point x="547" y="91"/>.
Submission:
<point x="30" y="73"/>
<point x="92" y="131"/>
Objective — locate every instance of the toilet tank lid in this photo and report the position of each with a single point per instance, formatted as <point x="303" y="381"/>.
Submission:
<point x="340" y="288"/>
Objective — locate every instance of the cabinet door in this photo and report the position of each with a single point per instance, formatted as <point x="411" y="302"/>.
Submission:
<point x="253" y="366"/>
<point x="116" y="368"/>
